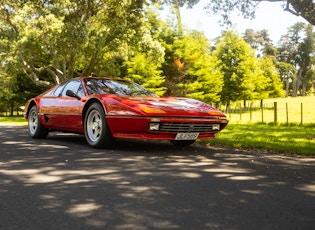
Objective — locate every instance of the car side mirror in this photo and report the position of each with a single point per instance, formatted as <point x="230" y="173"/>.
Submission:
<point x="70" y="93"/>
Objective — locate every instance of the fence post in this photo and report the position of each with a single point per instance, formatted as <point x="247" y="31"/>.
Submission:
<point x="301" y="113"/>
<point x="262" y="113"/>
<point x="250" y="111"/>
<point x="287" y="112"/>
<point x="275" y="105"/>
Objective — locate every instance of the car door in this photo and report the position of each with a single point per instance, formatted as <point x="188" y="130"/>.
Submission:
<point x="48" y="106"/>
<point x="68" y="109"/>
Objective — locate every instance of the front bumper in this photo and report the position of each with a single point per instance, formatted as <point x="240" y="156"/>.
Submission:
<point x="164" y="128"/>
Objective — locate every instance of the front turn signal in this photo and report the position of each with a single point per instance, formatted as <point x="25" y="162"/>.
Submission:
<point x="214" y="113"/>
<point x="147" y="109"/>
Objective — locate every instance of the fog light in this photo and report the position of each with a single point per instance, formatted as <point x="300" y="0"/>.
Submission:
<point x="154" y="126"/>
<point x="216" y="127"/>
<point x="155" y="119"/>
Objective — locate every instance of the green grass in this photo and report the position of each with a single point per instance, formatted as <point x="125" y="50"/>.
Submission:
<point x="288" y="139"/>
<point x="13" y="120"/>
<point x="292" y="133"/>
<point x="273" y="138"/>
<point x="295" y="110"/>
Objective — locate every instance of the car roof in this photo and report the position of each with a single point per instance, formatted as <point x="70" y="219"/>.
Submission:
<point x="99" y="77"/>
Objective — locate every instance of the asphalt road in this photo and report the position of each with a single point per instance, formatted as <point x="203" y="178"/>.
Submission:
<point x="61" y="183"/>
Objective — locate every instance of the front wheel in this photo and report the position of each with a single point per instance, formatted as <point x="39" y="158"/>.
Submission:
<point x="97" y="133"/>
<point x="35" y="127"/>
<point x="182" y="143"/>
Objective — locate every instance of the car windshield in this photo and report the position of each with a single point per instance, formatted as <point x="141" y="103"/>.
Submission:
<point x="119" y="87"/>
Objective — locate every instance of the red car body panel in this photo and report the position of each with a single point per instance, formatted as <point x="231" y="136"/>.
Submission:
<point x="126" y="116"/>
<point x="138" y="128"/>
<point x="58" y="113"/>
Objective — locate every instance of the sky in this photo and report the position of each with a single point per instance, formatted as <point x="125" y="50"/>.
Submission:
<point x="270" y="16"/>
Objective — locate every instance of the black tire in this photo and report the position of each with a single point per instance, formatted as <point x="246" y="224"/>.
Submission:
<point x="182" y="143"/>
<point x="97" y="133"/>
<point x="35" y="127"/>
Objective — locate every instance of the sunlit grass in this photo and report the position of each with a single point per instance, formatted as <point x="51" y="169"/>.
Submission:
<point x="274" y="138"/>
<point x="289" y="139"/>
<point x="296" y="110"/>
<point x="293" y="130"/>
<point x="13" y="120"/>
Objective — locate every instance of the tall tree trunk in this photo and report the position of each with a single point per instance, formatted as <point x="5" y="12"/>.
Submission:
<point x="11" y="109"/>
<point x="287" y="85"/>
<point x="297" y="82"/>
<point x="176" y="8"/>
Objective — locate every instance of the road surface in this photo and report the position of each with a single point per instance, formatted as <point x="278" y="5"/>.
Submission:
<point x="61" y="183"/>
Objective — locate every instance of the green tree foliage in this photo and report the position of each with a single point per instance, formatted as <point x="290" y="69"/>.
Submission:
<point x="167" y="37"/>
<point x="188" y="67"/>
<point x="55" y="40"/>
<point x="297" y="48"/>
<point x="175" y="6"/>
<point x="197" y="75"/>
<point x="140" y="66"/>
<point x="309" y="83"/>
<point x="144" y="64"/>
<point x="271" y="85"/>
<point x="15" y="91"/>
<point x="286" y="71"/>
<point x="145" y="60"/>
<point x="50" y="41"/>
<point x="245" y="76"/>
<point x="237" y="62"/>
<point x="307" y="63"/>
<point x="260" y="41"/>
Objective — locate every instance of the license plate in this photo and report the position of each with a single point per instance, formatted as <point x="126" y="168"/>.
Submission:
<point x="186" y="136"/>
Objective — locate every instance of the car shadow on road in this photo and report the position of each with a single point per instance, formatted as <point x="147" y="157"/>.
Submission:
<point x="132" y="145"/>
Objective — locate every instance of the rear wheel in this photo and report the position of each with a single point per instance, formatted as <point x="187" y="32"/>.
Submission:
<point x="97" y="133"/>
<point x="182" y="143"/>
<point x="35" y="127"/>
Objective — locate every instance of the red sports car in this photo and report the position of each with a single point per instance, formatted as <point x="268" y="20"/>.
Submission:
<point x="104" y="109"/>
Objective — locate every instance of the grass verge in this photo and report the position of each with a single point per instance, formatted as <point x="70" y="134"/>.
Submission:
<point x="13" y="120"/>
<point x="288" y="139"/>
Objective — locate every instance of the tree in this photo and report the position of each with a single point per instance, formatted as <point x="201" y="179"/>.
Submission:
<point x="244" y="77"/>
<point x="175" y="6"/>
<point x="197" y="75"/>
<point x="305" y="8"/>
<point x="15" y="91"/>
<point x="270" y="85"/>
<point x="144" y="61"/>
<point x="188" y="68"/>
<point x="286" y="71"/>
<point x="144" y="64"/>
<point x="307" y="49"/>
<point x="309" y="82"/>
<point x="296" y="48"/>
<point x="260" y="41"/>
<point x="55" y="40"/>
<point x="171" y="65"/>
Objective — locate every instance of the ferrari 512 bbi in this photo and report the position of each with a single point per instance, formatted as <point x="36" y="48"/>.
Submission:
<point x="104" y="109"/>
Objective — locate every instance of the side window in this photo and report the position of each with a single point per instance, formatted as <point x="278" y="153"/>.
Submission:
<point x="81" y="91"/>
<point x="59" y="89"/>
<point x="74" y="86"/>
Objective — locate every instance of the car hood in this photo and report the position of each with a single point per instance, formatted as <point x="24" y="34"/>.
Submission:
<point x="171" y="106"/>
